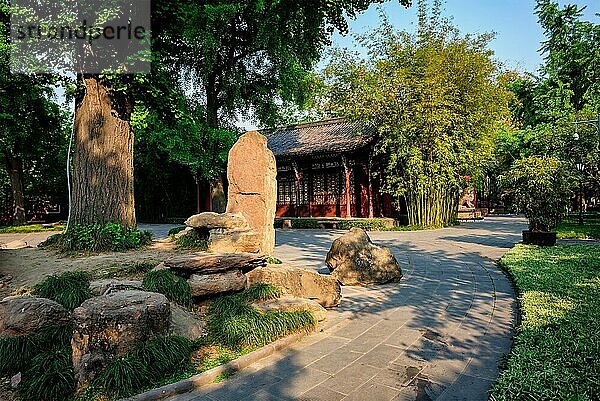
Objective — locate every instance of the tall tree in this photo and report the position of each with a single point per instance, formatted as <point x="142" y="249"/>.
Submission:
<point x="31" y="124"/>
<point x="571" y="51"/>
<point x="567" y="89"/>
<point x="245" y="57"/>
<point x="434" y="97"/>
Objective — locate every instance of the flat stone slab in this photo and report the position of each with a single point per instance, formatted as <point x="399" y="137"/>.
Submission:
<point x="212" y="220"/>
<point x="208" y="263"/>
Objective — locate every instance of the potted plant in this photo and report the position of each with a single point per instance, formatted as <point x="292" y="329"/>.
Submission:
<point x="540" y="188"/>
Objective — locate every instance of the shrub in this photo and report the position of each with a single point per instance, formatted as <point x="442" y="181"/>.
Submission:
<point x="165" y="282"/>
<point x="69" y="289"/>
<point x="50" y="377"/>
<point x="235" y="323"/>
<point x="97" y="237"/>
<point x="176" y="230"/>
<point x="540" y="189"/>
<point x="374" y="224"/>
<point x="273" y="261"/>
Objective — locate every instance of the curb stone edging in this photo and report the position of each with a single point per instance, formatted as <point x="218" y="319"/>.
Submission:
<point x="207" y="377"/>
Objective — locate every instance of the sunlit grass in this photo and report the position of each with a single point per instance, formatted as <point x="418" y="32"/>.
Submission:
<point x="556" y="355"/>
<point x="570" y="228"/>
<point x="29" y="228"/>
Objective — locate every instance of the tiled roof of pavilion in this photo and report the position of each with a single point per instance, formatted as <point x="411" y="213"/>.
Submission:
<point x="326" y="136"/>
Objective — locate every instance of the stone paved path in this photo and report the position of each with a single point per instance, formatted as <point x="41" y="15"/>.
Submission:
<point x="437" y="335"/>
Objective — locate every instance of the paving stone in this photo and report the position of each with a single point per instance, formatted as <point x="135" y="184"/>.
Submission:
<point x="404" y="337"/>
<point x="373" y="392"/>
<point x="241" y="386"/>
<point x="336" y="360"/>
<point x="352" y="377"/>
<point x="321" y="393"/>
<point x="467" y="388"/>
<point x="380" y="356"/>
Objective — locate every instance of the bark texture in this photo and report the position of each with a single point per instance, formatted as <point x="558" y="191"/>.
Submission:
<point x="103" y="158"/>
<point x="15" y="172"/>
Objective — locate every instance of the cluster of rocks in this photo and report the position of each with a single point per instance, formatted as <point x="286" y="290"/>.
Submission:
<point x="212" y="274"/>
<point x="121" y="315"/>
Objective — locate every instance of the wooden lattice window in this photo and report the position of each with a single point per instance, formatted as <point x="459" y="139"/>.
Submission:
<point x="286" y="191"/>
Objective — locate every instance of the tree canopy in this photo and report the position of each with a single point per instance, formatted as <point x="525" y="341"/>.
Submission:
<point x="434" y="98"/>
<point x="244" y="58"/>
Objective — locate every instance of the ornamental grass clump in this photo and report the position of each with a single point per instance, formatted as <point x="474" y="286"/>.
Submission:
<point x="148" y="366"/>
<point x="167" y="283"/>
<point x="235" y="323"/>
<point x="69" y="289"/>
<point x="50" y="377"/>
<point x="17" y="353"/>
<point x="44" y="360"/>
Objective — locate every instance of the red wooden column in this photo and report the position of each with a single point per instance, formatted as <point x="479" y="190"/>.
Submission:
<point x="346" y="164"/>
<point x="370" y="188"/>
<point x="298" y="175"/>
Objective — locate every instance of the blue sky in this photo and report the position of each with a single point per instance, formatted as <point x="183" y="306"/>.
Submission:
<point x="518" y="34"/>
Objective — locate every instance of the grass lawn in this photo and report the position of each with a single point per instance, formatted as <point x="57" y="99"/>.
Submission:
<point x="29" y="228"/>
<point x="570" y="227"/>
<point x="556" y="355"/>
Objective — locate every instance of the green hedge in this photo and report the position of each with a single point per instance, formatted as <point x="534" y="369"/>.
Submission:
<point x="340" y="224"/>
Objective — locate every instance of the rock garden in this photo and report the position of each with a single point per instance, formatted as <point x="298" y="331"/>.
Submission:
<point x="108" y="333"/>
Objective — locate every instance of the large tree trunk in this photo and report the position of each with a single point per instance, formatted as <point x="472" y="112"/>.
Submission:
<point x="15" y="172"/>
<point x="103" y="157"/>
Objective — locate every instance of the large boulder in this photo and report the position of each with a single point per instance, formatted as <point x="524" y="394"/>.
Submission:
<point x="113" y="325"/>
<point x="299" y="282"/>
<point x="251" y="173"/>
<point x="21" y="316"/>
<point x="211" y="220"/>
<point x="185" y="323"/>
<point x="288" y="303"/>
<point x="355" y="260"/>
<point x="204" y="285"/>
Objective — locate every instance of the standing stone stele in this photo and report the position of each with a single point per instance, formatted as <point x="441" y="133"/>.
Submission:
<point x="252" y="176"/>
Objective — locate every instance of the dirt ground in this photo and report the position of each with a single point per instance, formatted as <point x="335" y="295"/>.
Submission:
<point x="22" y="268"/>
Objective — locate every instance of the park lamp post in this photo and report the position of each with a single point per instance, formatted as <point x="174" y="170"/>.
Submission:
<point x="580" y="167"/>
<point x="594" y="123"/>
